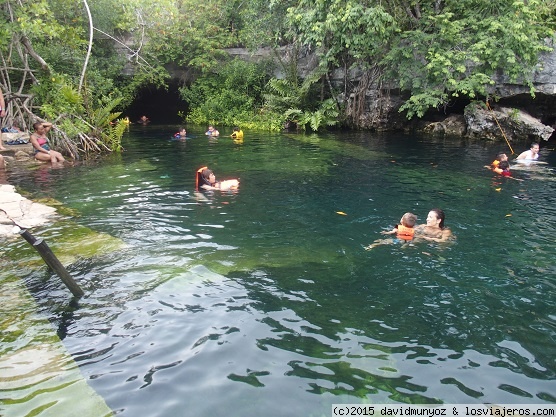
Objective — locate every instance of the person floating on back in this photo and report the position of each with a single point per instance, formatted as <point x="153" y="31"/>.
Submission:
<point x="404" y="232"/>
<point x="206" y="180"/>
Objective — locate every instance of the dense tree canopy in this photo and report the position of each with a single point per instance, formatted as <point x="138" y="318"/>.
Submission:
<point x="434" y="50"/>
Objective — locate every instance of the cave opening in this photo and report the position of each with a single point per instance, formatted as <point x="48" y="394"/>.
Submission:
<point x="160" y="105"/>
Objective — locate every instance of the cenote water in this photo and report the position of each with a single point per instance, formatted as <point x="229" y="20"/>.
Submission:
<point x="263" y="302"/>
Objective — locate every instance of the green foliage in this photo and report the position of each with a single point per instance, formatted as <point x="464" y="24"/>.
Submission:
<point x="101" y="116"/>
<point x="75" y="113"/>
<point x="434" y="51"/>
<point x="458" y="52"/>
<point x="326" y="115"/>
<point x="230" y="96"/>
<point x="58" y="95"/>
<point x="113" y="136"/>
<point x="448" y="49"/>
<point x="36" y="20"/>
<point x="243" y="94"/>
<point x="299" y="102"/>
<point x="343" y="30"/>
<point x="188" y="33"/>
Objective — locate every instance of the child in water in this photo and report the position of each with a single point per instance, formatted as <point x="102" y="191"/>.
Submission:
<point x="501" y="165"/>
<point x="503" y="169"/>
<point x="212" y="131"/>
<point x="501" y="157"/>
<point x="237" y="133"/>
<point x="403" y="231"/>
<point x="182" y="134"/>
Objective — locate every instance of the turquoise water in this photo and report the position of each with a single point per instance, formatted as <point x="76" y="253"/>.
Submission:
<point x="263" y="301"/>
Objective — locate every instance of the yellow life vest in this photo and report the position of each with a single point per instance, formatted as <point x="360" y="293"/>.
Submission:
<point x="238" y="134"/>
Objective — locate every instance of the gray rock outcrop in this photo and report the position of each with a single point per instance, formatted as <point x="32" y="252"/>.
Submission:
<point x="24" y="212"/>
<point x="373" y="105"/>
<point x="504" y="123"/>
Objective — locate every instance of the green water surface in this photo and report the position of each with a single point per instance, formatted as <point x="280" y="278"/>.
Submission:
<point x="264" y="302"/>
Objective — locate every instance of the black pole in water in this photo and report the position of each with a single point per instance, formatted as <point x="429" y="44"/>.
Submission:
<point x="53" y="262"/>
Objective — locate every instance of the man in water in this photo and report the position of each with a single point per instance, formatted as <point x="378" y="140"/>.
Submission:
<point x="532" y="154"/>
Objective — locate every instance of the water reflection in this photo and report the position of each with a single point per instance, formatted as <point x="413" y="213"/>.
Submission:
<point x="234" y="303"/>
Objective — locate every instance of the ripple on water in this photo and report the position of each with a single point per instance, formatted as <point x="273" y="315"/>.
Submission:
<point x="229" y="304"/>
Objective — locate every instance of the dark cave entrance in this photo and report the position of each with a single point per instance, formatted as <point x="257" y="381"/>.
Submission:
<point x="161" y="106"/>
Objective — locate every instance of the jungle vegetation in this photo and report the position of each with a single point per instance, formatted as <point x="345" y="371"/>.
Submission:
<point x="80" y="63"/>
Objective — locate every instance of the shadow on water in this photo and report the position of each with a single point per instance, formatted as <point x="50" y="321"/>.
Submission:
<point x="234" y="303"/>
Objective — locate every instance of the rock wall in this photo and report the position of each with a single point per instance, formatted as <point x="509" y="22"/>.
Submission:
<point x="374" y="106"/>
<point x="517" y="116"/>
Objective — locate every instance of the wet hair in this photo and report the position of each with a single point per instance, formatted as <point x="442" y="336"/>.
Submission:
<point x="36" y="125"/>
<point x="203" y="178"/>
<point x="409" y="219"/>
<point x="504" y="165"/>
<point x="535" y="144"/>
<point x="500" y="156"/>
<point x="205" y="173"/>
<point x="439" y="215"/>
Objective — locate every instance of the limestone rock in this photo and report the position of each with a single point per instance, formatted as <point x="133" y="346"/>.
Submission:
<point x="22" y="156"/>
<point x="503" y="122"/>
<point x="453" y="125"/>
<point x="24" y="212"/>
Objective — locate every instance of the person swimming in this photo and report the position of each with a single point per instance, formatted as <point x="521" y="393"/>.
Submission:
<point x="434" y="230"/>
<point x="206" y="180"/>
<point x="404" y="231"/>
<point x="499" y="158"/>
<point x="212" y="131"/>
<point x="237" y="133"/>
<point x="182" y="134"/>
<point x="503" y="169"/>
<point x="530" y="155"/>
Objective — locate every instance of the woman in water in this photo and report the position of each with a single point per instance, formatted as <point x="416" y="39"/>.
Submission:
<point x="206" y="180"/>
<point x="434" y="230"/>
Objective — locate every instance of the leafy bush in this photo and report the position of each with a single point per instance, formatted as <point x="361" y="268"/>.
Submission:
<point x="229" y="97"/>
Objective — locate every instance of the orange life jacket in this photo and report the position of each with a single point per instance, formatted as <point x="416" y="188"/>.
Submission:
<point x="503" y="172"/>
<point x="405" y="233"/>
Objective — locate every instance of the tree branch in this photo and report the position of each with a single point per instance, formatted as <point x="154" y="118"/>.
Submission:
<point x="29" y="48"/>
<point x="89" y="47"/>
